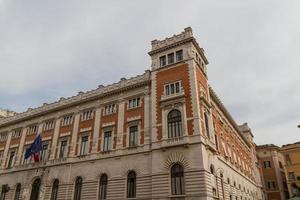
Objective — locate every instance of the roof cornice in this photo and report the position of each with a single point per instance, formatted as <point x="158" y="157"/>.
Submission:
<point x="81" y="97"/>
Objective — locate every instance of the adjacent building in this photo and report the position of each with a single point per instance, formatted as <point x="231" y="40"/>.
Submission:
<point x="272" y="164"/>
<point x="291" y="153"/>
<point x="6" y="113"/>
<point x="164" y="134"/>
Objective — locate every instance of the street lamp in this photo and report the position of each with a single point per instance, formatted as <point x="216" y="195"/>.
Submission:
<point x="298" y="126"/>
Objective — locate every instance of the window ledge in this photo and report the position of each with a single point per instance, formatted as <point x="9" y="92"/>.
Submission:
<point x="173" y="96"/>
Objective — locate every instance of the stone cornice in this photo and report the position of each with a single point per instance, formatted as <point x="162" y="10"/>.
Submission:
<point x="81" y="97"/>
<point x="217" y="100"/>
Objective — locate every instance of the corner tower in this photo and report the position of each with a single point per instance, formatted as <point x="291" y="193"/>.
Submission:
<point x="179" y="81"/>
<point x="181" y="111"/>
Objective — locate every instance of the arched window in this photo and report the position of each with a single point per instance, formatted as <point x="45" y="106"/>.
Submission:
<point x="174" y="124"/>
<point x="35" y="190"/>
<point x="206" y="125"/>
<point x="177" y="180"/>
<point x="54" y="189"/>
<point x="4" y="191"/>
<point x="131" y="185"/>
<point x="18" y="191"/>
<point x="103" y="187"/>
<point x="78" y="186"/>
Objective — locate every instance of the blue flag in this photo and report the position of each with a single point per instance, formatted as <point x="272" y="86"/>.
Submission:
<point x="35" y="147"/>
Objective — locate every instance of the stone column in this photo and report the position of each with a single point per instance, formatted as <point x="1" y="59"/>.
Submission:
<point x="74" y="134"/>
<point x="95" y="138"/>
<point x="55" y="139"/>
<point x="6" y="149"/>
<point x="120" y="124"/>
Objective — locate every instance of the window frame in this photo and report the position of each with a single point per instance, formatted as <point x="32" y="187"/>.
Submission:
<point x="131" y="185"/>
<point x="54" y="189"/>
<point x="84" y="145"/>
<point x="78" y="188"/>
<point x="174" y="124"/>
<point x="103" y="183"/>
<point x="177" y="177"/>
<point x="107" y="141"/>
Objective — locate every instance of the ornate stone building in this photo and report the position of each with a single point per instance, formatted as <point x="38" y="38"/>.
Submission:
<point x="291" y="153"/>
<point x="6" y="113"/>
<point x="272" y="164"/>
<point x="164" y="134"/>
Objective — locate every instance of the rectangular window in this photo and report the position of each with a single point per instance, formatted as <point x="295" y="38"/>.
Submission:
<point x="107" y="141"/>
<point x="109" y="109"/>
<point x="84" y="145"/>
<point x="133" y="136"/>
<point x="44" y="152"/>
<point x="67" y="120"/>
<point x="172" y="88"/>
<point x="162" y="61"/>
<point x="32" y="130"/>
<point x="26" y="161"/>
<point x="179" y="55"/>
<point x="86" y="115"/>
<point x="49" y="125"/>
<point x="3" y="137"/>
<point x="11" y="159"/>
<point x="17" y="133"/>
<point x="267" y="164"/>
<point x="170" y="58"/>
<point x="63" y="151"/>
<point x="288" y="159"/>
<point x="134" y="103"/>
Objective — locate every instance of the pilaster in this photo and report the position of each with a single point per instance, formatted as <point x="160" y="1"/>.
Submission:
<point x="95" y="138"/>
<point x="120" y="124"/>
<point x="21" y="146"/>
<point x="6" y="149"/>
<point x="74" y="134"/>
<point x="55" y="139"/>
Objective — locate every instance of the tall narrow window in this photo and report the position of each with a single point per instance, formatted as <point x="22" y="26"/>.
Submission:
<point x="35" y="190"/>
<point x="4" y="191"/>
<point x="11" y="159"/>
<point x="17" y="192"/>
<point x="107" y="141"/>
<point x="131" y="185"/>
<point x="44" y="153"/>
<point x="54" y="189"/>
<point x="179" y="55"/>
<point x="177" y="180"/>
<point x="84" y="145"/>
<point x="133" y="136"/>
<point x="103" y="187"/>
<point x="174" y="124"/>
<point x="162" y="61"/>
<point x="170" y="58"/>
<point x="63" y="149"/>
<point x="78" y="187"/>
<point x="206" y="125"/>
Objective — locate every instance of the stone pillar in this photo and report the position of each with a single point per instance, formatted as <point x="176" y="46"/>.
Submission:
<point x="21" y="146"/>
<point x="95" y="138"/>
<point x="6" y="150"/>
<point x="74" y="134"/>
<point x="55" y="139"/>
<point x="120" y="124"/>
<point x="147" y="118"/>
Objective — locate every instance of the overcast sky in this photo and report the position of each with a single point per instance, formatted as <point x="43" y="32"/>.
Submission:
<point x="51" y="49"/>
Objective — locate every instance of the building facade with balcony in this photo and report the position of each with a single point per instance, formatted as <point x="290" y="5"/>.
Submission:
<point x="164" y="134"/>
<point x="291" y="153"/>
<point x="272" y="164"/>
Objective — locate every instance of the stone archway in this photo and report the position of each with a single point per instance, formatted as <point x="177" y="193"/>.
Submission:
<point x="35" y="189"/>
